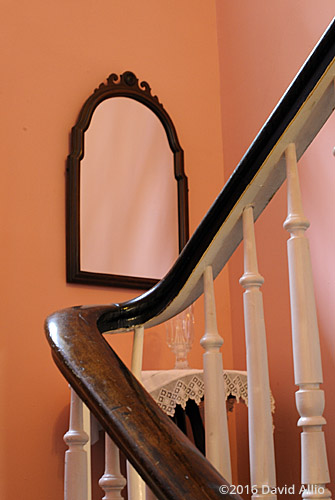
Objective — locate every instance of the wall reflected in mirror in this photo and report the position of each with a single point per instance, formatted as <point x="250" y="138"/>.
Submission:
<point x="126" y="188"/>
<point x="128" y="193"/>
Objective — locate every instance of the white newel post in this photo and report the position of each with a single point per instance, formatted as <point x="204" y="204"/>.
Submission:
<point x="306" y="343"/>
<point x="76" y="473"/>
<point x="136" y="485"/>
<point x="261" y="447"/>
<point x="112" y="482"/>
<point x="216" y="425"/>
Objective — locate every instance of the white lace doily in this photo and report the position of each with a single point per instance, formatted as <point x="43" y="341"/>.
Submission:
<point x="172" y="387"/>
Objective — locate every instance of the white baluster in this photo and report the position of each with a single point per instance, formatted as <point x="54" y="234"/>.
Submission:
<point x="306" y="343"/>
<point x="76" y="473"/>
<point x="87" y="448"/>
<point x="137" y="353"/>
<point x="216" y="427"/>
<point x="136" y="485"/>
<point x="112" y="482"/>
<point x="261" y="448"/>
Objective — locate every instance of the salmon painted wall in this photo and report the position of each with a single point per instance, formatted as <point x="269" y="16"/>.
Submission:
<point x="52" y="57"/>
<point x="262" y="46"/>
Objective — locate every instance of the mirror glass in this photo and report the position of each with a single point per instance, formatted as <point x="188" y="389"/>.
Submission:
<point x="126" y="189"/>
<point x="128" y="193"/>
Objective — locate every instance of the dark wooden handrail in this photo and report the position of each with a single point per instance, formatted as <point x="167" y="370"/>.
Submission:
<point x="167" y="461"/>
<point x="298" y="117"/>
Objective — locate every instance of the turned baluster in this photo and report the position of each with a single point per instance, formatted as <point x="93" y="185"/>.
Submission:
<point x="76" y="468"/>
<point x="261" y="447"/>
<point x="306" y="343"/>
<point x="216" y="426"/>
<point x="112" y="482"/>
<point x="136" y="485"/>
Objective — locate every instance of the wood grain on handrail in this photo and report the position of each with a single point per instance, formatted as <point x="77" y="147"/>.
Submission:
<point x="298" y="117"/>
<point x="173" y="468"/>
<point x="169" y="463"/>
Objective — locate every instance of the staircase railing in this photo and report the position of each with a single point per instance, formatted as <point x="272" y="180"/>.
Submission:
<point x="166" y="460"/>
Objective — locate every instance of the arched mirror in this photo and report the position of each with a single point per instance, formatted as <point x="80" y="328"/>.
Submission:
<point x="127" y="201"/>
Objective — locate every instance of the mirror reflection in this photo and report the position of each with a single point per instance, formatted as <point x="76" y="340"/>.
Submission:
<point x="126" y="189"/>
<point x="128" y="193"/>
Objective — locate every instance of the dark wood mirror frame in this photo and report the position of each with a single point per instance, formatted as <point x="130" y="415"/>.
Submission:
<point x="127" y="85"/>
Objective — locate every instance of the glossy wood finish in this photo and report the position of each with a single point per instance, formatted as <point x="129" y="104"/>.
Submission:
<point x="299" y="116"/>
<point x="126" y="411"/>
<point x="127" y="85"/>
<point x="172" y="467"/>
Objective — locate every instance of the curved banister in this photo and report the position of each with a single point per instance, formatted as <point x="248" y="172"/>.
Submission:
<point x="297" y="118"/>
<point x="120" y="403"/>
<point x="169" y="463"/>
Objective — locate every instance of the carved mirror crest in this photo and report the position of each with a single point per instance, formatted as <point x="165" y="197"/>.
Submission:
<point x="127" y="195"/>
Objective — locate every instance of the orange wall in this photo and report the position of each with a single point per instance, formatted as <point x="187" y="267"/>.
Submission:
<point x="52" y="57"/>
<point x="262" y="45"/>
